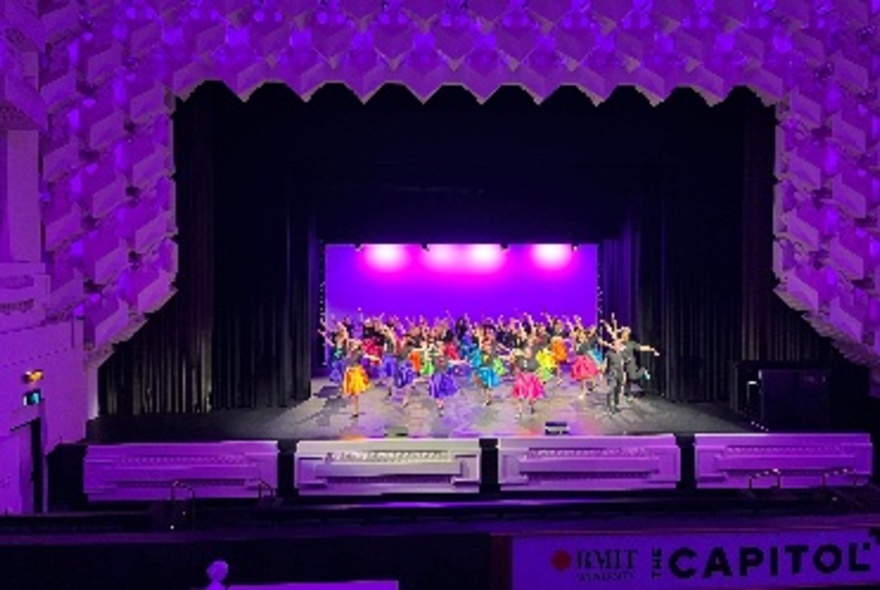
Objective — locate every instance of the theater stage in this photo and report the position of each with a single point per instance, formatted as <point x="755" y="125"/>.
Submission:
<point x="327" y="416"/>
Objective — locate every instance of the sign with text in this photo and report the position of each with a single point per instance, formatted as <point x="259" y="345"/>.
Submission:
<point x="696" y="560"/>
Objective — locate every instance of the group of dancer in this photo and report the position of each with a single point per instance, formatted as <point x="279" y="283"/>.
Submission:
<point x="400" y="355"/>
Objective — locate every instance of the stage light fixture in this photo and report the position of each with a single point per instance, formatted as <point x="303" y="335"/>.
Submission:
<point x="358" y="247"/>
<point x="33" y="376"/>
<point x="426" y="247"/>
<point x="574" y="247"/>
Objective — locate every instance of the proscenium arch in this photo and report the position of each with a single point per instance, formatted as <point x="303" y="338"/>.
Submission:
<point x="109" y="72"/>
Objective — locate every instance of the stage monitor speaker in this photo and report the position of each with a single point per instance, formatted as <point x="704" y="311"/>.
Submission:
<point x="396" y="432"/>
<point x="556" y="428"/>
<point x="793" y="400"/>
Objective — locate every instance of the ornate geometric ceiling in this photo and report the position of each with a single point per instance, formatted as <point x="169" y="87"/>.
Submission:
<point x="96" y="80"/>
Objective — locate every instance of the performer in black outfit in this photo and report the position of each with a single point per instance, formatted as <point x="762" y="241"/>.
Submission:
<point x="614" y="375"/>
<point x="634" y="373"/>
<point x="628" y="351"/>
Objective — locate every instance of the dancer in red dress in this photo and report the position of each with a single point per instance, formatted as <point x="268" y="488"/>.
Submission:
<point x="527" y="387"/>
<point x="585" y="369"/>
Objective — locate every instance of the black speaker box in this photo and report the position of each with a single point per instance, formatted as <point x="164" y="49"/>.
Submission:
<point x="794" y="400"/>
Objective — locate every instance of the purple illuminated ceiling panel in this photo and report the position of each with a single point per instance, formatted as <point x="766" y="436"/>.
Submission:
<point x="108" y="68"/>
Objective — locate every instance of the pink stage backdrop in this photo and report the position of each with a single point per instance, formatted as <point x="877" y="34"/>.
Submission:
<point x="478" y="279"/>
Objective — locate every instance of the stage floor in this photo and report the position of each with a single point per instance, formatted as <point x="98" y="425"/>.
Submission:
<point x="327" y="415"/>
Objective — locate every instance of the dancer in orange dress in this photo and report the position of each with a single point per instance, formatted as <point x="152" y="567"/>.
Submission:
<point x="560" y="355"/>
<point x="415" y="356"/>
<point x="558" y="349"/>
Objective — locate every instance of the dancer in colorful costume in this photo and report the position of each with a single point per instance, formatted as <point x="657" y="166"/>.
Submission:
<point x="527" y="387"/>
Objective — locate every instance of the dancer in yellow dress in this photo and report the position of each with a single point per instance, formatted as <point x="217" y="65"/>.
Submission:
<point x="546" y="364"/>
<point x="356" y="380"/>
<point x="541" y="342"/>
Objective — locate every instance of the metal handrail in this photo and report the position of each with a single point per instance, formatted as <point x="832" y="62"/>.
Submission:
<point x="261" y="485"/>
<point x="774" y="472"/>
<point x="192" y="498"/>
<point x="843" y="471"/>
<point x="182" y="484"/>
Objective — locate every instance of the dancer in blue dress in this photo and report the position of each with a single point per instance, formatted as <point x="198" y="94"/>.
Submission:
<point x="406" y="375"/>
<point x="338" y="349"/>
<point x="388" y="365"/>
<point x="486" y="373"/>
<point x="441" y="384"/>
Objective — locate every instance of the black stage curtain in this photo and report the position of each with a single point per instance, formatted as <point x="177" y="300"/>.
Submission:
<point x="676" y="262"/>
<point x="238" y="333"/>
<point x="691" y="270"/>
<point x="168" y="366"/>
<point x="770" y="330"/>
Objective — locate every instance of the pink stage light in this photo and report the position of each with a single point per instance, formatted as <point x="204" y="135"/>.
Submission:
<point x="551" y="256"/>
<point x="386" y="257"/>
<point x="441" y="256"/>
<point x="485" y="257"/>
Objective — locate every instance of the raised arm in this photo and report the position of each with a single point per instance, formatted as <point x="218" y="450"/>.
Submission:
<point x="610" y="329"/>
<point x="606" y="344"/>
<point x="326" y="338"/>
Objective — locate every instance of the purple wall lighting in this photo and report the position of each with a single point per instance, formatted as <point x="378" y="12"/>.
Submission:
<point x="491" y="279"/>
<point x="85" y="82"/>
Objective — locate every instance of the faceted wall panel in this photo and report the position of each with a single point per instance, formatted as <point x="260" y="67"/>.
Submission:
<point x="107" y="159"/>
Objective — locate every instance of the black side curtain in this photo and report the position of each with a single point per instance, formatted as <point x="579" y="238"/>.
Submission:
<point x="262" y="328"/>
<point x="691" y="272"/>
<point x="167" y="367"/>
<point x="238" y="333"/>
<point x="770" y="330"/>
